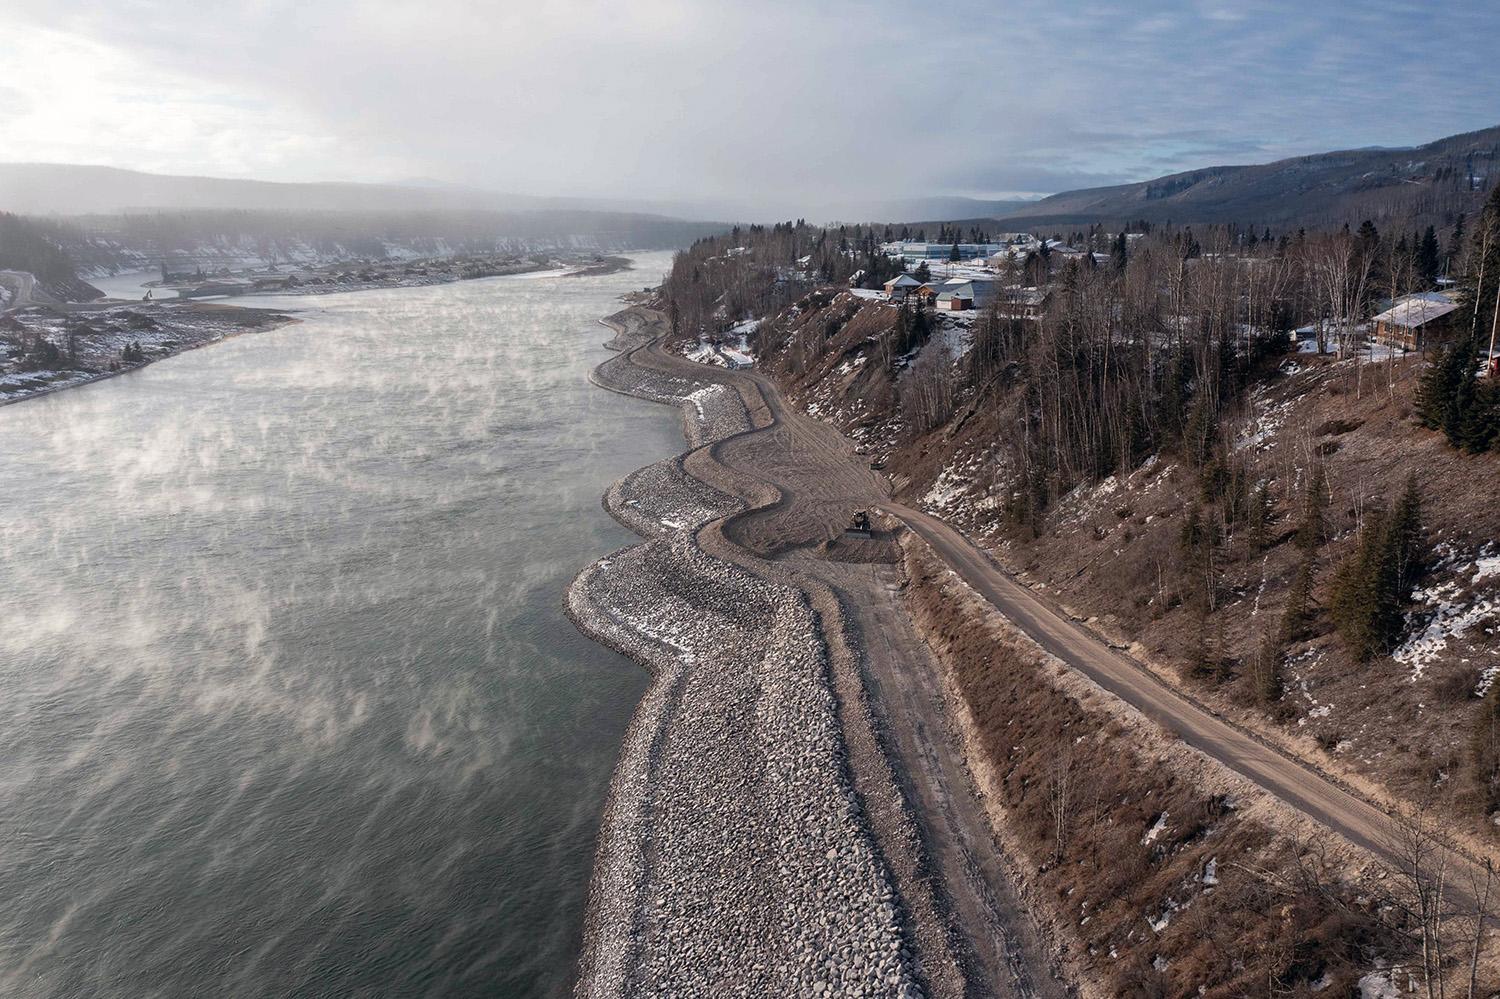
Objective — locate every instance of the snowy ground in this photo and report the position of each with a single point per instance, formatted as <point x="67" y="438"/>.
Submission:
<point x="1464" y="607"/>
<point x="730" y="350"/>
<point x="91" y="343"/>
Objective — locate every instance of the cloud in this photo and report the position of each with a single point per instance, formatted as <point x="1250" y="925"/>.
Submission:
<point x="772" y="101"/>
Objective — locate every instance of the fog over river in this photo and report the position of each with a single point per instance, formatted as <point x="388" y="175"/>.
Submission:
<point x="289" y="704"/>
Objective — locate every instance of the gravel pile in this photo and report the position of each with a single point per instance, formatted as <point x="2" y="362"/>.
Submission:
<point x="711" y="411"/>
<point x="734" y="858"/>
<point x="662" y="499"/>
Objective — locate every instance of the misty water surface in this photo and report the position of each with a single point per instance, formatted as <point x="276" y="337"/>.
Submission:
<point x="289" y="705"/>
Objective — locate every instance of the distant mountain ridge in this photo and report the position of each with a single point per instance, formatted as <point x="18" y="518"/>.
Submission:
<point x="77" y="189"/>
<point x="1425" y="183"/>
<point x="209" y="238"/>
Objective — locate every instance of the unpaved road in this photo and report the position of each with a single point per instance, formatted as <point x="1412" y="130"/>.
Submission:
<point x="906" y="685"/>
<point x="1288" y="779"/>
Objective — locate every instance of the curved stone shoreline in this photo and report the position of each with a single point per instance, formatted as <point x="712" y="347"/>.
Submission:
<point x="735" y="856"/>
<point x="661" y="499"/>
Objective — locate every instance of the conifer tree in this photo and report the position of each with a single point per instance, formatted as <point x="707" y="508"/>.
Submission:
<point x="1484" y="268"/>
<point x="1455" y="242"/>
<point x="1479" y="421"/>
<point x="1314" y="501"/>
<point x="1465" y="393"/>
<point x="1439" y="386"/>
<point x="1375" y="582"/>
<point x="1406" y="543"/>
<point x="1428" y="257"/>
<point x="1355" y="602"/>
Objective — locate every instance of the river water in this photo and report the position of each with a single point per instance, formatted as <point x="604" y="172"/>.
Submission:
<point x="289" y="705"/>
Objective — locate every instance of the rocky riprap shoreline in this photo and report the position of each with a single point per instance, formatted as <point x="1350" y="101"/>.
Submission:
<point x="661" y="499"/>
<point x="735" y="857"/>
<point x="619" y="374"/>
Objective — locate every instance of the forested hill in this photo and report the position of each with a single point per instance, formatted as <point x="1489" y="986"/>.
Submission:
<point x="59" y="251"/>
<point x="227" y="238"/>
<point x="36" y="247"/>
<point x="1427" y="184"/>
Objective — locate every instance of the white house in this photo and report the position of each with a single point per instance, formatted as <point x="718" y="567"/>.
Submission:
<point x="961" y="294"/>
<point x="897" y="288"/>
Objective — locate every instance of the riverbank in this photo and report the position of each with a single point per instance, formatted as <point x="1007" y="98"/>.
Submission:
<point x="366" y="275"/>
<point x="758" y="838"/>
<point x="47" y="349"/>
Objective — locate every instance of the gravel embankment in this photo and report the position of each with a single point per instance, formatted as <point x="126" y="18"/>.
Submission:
<point x="618" y="374"/>
<point x="630" y="330"/>
<point x="734" y="857"/>
<point x="713" y="413"/>
<point x="662" y="499"/>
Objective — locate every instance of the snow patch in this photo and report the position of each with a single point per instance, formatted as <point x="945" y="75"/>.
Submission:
<point x="1378" y="985"/>
<point x="1447" y="617"/>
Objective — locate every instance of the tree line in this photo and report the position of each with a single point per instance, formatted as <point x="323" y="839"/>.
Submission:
<point x="1452" y="397"/>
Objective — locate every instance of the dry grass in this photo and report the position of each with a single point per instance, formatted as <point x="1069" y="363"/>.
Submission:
<point x="1399" y="739"/>
<point x="1279" y="915"/>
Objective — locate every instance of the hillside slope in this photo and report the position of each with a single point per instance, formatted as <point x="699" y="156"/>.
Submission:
<point x="1398" y="726"/>
<point x="1427" y="182"/>
<point x="42" y="269"/>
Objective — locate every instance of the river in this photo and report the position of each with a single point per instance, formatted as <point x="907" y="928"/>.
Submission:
<point x="289" y="704"/>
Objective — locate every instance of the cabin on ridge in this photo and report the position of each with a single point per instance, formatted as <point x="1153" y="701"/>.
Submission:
<point x="1417" y="322"/>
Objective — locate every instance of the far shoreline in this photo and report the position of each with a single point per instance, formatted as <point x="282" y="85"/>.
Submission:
<point x="265" y="319"/>
<point x="269" y="319"/>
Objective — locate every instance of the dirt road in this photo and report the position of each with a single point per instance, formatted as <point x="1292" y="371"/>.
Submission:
<point x="1292" y="782"/>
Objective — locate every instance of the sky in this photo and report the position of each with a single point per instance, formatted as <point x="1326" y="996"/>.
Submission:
<point x="763" y="101"/>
